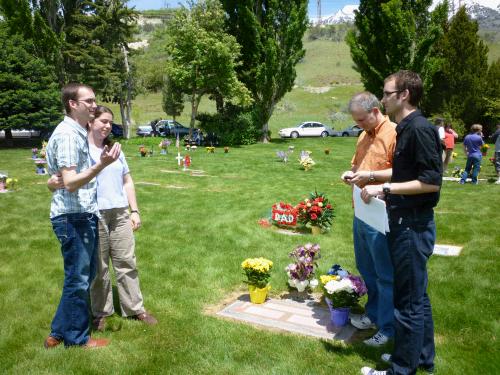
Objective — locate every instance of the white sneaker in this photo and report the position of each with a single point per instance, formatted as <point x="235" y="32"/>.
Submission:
<point x="378" y="339"/>
<point x="370" y="371"/>
<point x="386" y="357"/>
<point x="362" y="322"/>
<point x="497" y="182"/>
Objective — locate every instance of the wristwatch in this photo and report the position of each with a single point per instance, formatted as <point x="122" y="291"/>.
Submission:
<point x="386" y="188"/>
<point x="372" y="177"/>
<point x="132" y="211"/>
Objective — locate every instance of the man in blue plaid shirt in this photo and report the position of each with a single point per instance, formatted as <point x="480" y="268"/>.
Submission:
<point x="74" y="213"/>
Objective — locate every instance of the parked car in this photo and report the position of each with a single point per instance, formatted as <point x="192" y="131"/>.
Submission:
<point x="144" y="131"/>
<point x="168" y="128"/>
<point x="350" y="131"/>
<point x="22" y="133"/>
<point x="116" y="130"/>
<point x="307" y="129"/>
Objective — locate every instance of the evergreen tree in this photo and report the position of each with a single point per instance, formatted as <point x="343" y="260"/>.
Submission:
<point x="270" y="34"/>
<point x="391" y="35"/>
<point x="29" y="94"/>
<point x="29" y="22"/>
<point x="492" y="96"/>
<point x="460" y="87"/>
<point x="172" y="99"/>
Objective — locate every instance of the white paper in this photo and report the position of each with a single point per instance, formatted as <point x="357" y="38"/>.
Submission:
<point x="374" y="213"/>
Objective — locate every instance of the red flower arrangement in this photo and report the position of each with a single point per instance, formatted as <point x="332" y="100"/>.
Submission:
<point x="284" y="214"/>
<point x="316" y="210"/>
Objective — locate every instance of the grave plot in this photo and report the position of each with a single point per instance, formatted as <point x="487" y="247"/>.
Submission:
<point x="307" y="317"/>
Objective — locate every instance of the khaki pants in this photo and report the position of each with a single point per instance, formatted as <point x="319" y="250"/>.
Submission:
<point x="116" y="241"/>
<point x="448" y="157"/>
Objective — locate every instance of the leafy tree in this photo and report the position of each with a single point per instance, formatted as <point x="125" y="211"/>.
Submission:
<point x="29" y="94"/>
<point x="270" y="33"/>
<point x="202" y="56"/>
<point x="395" y="34"/>
<point x="460" y="86"/>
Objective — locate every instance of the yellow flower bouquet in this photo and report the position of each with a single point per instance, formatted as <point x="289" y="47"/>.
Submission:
<point x="257" y="271"/>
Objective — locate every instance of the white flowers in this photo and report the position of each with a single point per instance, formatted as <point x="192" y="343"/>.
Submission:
<point x="313" y="283"/>
<point x="302" y="285"/>
<point x="334" y="286"/>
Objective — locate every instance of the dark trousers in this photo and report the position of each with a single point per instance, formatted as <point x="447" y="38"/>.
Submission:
<point x="411" y="242"/>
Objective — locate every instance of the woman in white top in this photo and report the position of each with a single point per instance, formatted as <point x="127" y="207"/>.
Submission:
<point x="115" y="196"/>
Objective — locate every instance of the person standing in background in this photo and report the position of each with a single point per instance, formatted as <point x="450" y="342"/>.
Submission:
<point x="449" y="143"/>
<point x="472" y="148"/>
<point x="496" y="140"/>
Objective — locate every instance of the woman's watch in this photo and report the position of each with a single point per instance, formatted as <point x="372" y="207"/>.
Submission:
<point x="136" y="211"/>
<point x="386" y="188"/>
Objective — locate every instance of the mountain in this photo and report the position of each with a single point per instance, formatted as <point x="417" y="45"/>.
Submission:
<point x="487" y="18"/>
<point x="346" y="14"/>
<point x="487" y="13"/>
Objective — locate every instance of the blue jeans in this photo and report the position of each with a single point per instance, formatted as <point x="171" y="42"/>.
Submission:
<point x="411" y="242"/>
<point x="473" y="163"/>
<point x="78" y="236"/>
<point x="374" y="263"/>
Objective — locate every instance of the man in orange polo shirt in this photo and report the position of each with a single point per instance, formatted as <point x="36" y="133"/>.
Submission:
<point x="374" y="152"/>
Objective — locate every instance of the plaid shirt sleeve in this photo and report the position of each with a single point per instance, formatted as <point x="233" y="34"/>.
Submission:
<point x="67" y="152"/>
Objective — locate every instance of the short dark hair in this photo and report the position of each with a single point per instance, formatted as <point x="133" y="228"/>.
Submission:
<point x="408" y="80"/>
<point x="70" y="92"/>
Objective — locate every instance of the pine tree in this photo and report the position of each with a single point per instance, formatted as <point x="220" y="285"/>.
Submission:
<point x="460" y="86"/>
<point x="270" y="34"/>
<point x="492" y="96"/>
<point x="172" y="99"/>
<point x="391" y="35"/>
<point x="29" y="94"/>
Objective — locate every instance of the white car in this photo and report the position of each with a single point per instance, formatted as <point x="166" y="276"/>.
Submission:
<point x="22" y="133"/>
<point x="307" y="129"/>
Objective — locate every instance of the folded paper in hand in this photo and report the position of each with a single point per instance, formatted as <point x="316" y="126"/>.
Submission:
<point x="374" y="213"/>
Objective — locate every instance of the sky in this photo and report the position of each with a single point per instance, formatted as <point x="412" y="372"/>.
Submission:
<point x="327" y="6"/>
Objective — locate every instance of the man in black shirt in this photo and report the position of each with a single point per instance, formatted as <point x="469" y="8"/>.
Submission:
<point x="413" y="191"/>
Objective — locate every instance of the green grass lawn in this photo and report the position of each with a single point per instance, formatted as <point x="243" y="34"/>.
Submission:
<point x="189" y="253"/>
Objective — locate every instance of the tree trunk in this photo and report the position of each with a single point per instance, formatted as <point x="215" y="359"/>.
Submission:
<point x="265" y="132"/>
<point x="126" y="128"/>
<point x="195" y="102"/>
<point x="128" y="102"/>
<point x="267" y="113"/>
<point x="219" y="102"/>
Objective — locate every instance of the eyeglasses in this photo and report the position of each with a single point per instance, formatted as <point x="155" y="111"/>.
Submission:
<point x="389" y="93"/>
<point x="89" y="101"/>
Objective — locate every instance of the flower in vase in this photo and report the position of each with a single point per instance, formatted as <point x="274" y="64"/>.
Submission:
<point x="301" y="272"/>
<point x="341" y="288"/>
<point x="257" y="270"/>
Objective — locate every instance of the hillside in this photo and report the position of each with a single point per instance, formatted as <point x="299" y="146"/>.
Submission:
<point x="325" y="81"/>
